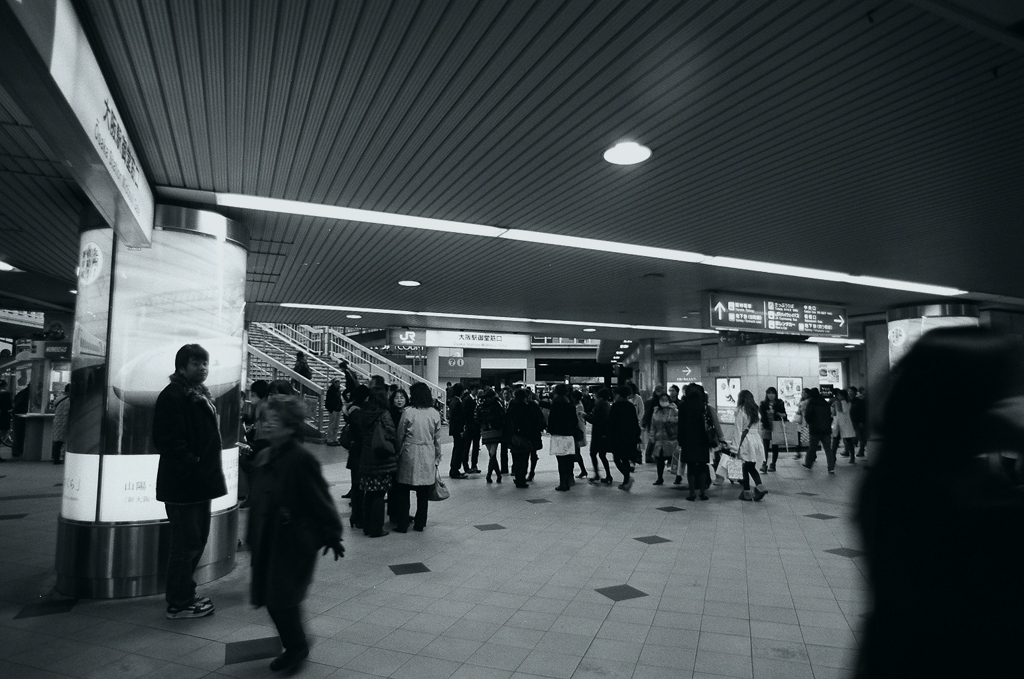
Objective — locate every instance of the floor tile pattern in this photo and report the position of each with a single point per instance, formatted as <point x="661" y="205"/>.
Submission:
<point x="46" y="608"/>
<point x="742" y="589"/>
<point x="253" y="649"/>
<point x="652" y="540"/>
<point x="670" y="509"/>
<point x="846" y="551"/>
<point x="621" y="592"/>
<point x="409" y="568"/>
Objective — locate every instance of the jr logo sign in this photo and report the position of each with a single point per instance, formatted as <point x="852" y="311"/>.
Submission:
<point x="408" y="337"/>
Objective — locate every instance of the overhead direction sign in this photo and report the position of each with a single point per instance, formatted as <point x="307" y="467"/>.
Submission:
<point x="730" y="311"/>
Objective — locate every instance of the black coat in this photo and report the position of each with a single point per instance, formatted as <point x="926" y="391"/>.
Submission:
<point x="623" y="428"/>
<point x="598" y="419"/>
<point x="526" y="420"/>
<point x="770" y="413"/>
<point x="469" y="413"/>
<point x="562" y="420"/>
<point x="187" y="436"/>
<point x="332" y="400"/>
<point x="456" y="417"/>
<point x="819" y="417"/>
<point x="371" y="462"/>
<point x="291" y="516"/>
<point x="694" y="446"/>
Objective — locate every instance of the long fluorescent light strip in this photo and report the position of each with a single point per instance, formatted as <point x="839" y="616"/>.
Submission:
<point x="834" y="340"/>
<point x="504" y="319"/>
<point x="282" y="206"/>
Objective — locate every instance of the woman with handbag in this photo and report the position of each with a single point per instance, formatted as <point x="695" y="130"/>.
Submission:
<point x="562" y="424"/>
<point x="373" y="428"/>
<point x="580" y="435"/>
<point x="419" y="443"/>
<point x="291" y="517"/>
<point x="842" y="427"/>
<point x="772" y="410"/>
<point x="524" y="425"/>
<point x="749" y="445"/>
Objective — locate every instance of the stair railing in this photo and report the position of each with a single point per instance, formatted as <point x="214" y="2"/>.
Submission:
<point x="312" y="394"/>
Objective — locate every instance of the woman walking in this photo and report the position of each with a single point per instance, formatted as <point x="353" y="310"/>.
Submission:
<point x="749" y="445"/>
<point x="842" y="427"/>
<point x="663" y="433"/>
<point x="291" y="517"/>
<point x="419" y="443"/>
<point x="562" y="423"/>
<point x="491" y="416"/>
<point x="772" y="410"/>
<point x="600" y="444"/>
<point x="524" y="425"/>
<point x="694" y="440"/>
<point x="623" y="434"/>
<point x="580" y="435"/>
<point x="375" y="431"/>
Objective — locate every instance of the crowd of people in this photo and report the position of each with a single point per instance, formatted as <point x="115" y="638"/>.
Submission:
<point x="917" y="540"/>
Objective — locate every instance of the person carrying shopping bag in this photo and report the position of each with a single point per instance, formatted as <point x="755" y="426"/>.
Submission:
<point x="748" y="445"/>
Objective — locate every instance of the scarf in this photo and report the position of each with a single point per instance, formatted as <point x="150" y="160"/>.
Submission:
<point x="196" y="392"/>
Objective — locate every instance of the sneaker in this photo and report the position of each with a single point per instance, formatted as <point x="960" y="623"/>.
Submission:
<point x="832" y="471"/>
<point x="289" y="660"/>
<point x="581" y="475"/>
<point x="457" y="475"/>
<point x="629" y="484"/>
<point x="196" y="609"/>
<point x="771" y="467"/>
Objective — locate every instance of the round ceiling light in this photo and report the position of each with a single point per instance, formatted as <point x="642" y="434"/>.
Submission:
<point x="73" y="292"/>
<point x="589" y="329"/>
<point x="627" y="153"/>
<point x="409" y="284"/>
<point x="353" y="316"/>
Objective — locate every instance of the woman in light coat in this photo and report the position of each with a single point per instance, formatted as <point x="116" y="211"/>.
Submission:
<point x="663" y="433"/>
<point x="748" y="444"/>
<point x="419" y="443"/>
<point x="842" y="426"/>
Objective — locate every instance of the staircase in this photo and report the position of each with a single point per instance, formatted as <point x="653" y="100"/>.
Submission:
<point x="273" y="347"/>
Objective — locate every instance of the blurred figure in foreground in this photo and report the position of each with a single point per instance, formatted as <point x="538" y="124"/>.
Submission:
<point x="941" y="519"/>
<point x="292" y="516"/>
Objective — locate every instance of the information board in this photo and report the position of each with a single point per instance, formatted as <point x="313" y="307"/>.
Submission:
<point x="729" y="311"/>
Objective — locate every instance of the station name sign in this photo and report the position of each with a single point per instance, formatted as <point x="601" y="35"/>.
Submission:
<point x="464" y="339"/>
<point x="730" y="311"/>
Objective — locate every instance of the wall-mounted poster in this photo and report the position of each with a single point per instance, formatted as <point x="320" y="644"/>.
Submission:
<point x="727" y="393"/>
<point x="831" y="373"/>
<point x="790" y="389"/>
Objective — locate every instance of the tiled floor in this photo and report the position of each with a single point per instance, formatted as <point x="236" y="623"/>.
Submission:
<point x="737" y="589"/>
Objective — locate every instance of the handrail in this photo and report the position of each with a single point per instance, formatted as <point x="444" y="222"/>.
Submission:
<point x="309" y="357"/>
<point x="276" y="364"/>
<point x="392" y="367"/>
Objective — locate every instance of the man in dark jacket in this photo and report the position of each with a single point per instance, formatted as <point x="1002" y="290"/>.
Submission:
<point x="819" y="429"/>
<point x="859" y="417"/>
<point x="623" y="434"/>
<point x="186" y="433"/>
<point x="472" y="428"/>
<point x="333" y="403"/>
<point x="457" y="428"/>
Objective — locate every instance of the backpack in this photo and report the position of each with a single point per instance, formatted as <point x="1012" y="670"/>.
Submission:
<point x="381" y="447"/>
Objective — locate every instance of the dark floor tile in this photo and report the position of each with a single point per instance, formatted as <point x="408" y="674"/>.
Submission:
<point x="11" y="517"/>
<point x="253" y="649"/>
<point x="671" y="509"/>
<point x="58" y="485"/>
<point x="823" y="517"/>
<point x="539" y="501"/>
<point x="46" y="608"/>
<point x="409" y="568"/>
<point x="652" y="540"/>
<point x="490" y="526"/>
<point x="621" y="592"/>
<point x="804" y="492"/>
<point x="846" y="551"/>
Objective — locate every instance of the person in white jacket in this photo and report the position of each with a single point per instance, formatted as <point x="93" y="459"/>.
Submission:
<point x="419" y="445"/>
<point x="748" y="444"/>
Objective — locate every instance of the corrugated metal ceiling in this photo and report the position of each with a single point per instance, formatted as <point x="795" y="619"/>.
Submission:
<point x="793" y="131"/>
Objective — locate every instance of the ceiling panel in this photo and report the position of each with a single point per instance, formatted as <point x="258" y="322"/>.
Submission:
<point x="869" y="137"/>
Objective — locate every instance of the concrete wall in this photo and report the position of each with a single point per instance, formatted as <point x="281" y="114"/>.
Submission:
<point x="759" y="366"/>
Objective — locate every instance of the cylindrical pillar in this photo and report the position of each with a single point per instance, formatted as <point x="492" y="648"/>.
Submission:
<point x="135" y="309"/>
<point x="431" y="372"/>
<point x="906" y="325"/>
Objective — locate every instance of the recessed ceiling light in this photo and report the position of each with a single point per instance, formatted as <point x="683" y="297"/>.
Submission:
<point x="589" y="329"/>
<point x="627" y="153"/>
<point x="627" y="341"/>
<point x="834" y="340"/>
<point x="353" y="316"/>
<point x="618" y="353"/>
<point x="4" y="266"/>
<point x="73" y="292"/>
<point x="623" y="346"/>
<point x="850" y="346"/>
<point x="409" y="284"/>
<point x="542" y="364"/>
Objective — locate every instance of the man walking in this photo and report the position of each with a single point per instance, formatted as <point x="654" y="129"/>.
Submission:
<point x="457" y="428"/>
<point x="186" y="433"/>
<point x="859" y="417"/>
<point x="333" y="403"/>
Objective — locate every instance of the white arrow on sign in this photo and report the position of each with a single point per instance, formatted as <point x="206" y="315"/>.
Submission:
<point x="841" y="321"/>
<point x="719" y="308"/>
<point x="688" y="371"/>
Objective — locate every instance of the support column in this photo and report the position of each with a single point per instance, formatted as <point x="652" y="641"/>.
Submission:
<point x="135" y="309"/>
<point x="431" y="372"/>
